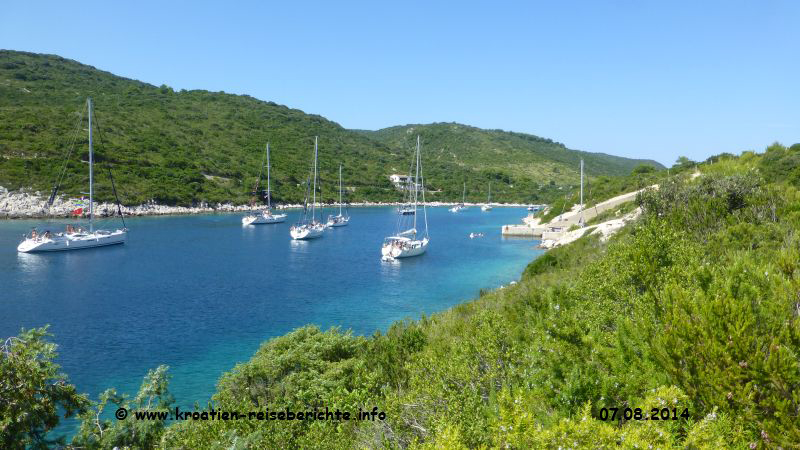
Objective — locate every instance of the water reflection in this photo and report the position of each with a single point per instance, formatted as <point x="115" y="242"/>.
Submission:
<point x="299" y="245"/>
<point x="32" y="263"/>
<point x="299" y="254"/>
<point x="390" y="269"/>
<point x="74" y="262"/>
<point x="519" y="238"/>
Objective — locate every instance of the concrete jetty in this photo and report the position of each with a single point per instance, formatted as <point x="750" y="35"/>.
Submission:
<point x="518" y="230"/>
<point x="556" y="228"/>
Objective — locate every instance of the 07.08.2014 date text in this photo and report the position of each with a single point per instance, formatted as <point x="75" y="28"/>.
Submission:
<point x="642" y="414"/>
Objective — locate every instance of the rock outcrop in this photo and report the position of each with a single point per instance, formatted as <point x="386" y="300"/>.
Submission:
<point x="26" y="204"/>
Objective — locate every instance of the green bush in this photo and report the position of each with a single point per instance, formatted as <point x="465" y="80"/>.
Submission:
<point x="692" y="307"/>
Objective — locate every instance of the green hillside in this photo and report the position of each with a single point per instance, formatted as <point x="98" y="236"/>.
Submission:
<point x="191" y="146"/>
<point x="682" y="331"/>
<point x="517" y="154"/>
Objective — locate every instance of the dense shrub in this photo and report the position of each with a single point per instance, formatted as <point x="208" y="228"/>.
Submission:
<point x="694" y="307"/>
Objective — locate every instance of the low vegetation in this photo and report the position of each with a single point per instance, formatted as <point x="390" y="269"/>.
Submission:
<point x="614" y="213"/>
<point x="602" y="188"/>
<point x="694" y="308"/>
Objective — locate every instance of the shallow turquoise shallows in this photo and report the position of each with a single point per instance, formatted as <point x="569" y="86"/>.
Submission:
<point x="200" y="293"/>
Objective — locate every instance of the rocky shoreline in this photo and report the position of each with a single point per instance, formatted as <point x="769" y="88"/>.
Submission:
<point x="25" y="204"/>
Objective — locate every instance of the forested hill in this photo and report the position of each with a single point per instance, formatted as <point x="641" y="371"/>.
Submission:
<point x="191" y="146"/>
<point x="517" y="154"/>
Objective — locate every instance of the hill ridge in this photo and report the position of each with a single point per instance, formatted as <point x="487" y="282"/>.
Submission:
<point x="164" y="144"/>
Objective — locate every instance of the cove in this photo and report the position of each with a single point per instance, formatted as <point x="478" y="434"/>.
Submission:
<point x="201" y="293"/>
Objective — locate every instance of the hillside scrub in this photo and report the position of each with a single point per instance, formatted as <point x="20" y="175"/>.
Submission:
<point x="692" y="308"/>
<point x="679" y="310"/>
<point x="189" y="147"/>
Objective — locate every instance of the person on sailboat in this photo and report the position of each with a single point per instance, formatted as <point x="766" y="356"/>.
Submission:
<point x="96" y="238"/>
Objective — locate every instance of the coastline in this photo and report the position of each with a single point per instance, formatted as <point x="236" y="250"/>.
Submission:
<point x="196" y="380"/>
<point x="25" y="204"/>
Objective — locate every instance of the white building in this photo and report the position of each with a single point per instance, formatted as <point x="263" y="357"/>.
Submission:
<point x="402" y="182"/>
<point x="399" y="180"/>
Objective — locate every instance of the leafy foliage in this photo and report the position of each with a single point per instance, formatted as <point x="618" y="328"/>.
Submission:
<point x="301" y="371"/>
<point x="97" y="432"/>
<point x="694" y="307"/>
<point x="33" y="393"/>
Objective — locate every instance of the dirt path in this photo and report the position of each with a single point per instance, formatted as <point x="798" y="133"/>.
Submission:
<point x="573" y="217"/>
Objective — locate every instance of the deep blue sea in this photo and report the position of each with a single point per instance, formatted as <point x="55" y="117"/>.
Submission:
<point x="200" y="293"/>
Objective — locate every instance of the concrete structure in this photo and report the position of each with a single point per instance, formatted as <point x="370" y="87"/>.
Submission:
<point x="518" y="230"/>
<point x="557" y="227"/>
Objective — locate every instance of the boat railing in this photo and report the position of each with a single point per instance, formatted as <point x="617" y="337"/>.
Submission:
<point x="35" y="236"/>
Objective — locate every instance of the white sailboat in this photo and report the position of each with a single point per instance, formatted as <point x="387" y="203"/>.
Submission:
<point x="406" y="242"/>
<point x="76" y="238"/>
<point x="341" y="219"/>
<point x="461" y="205"/>
<point x="264" y="216"/>
<point x="309" y="228"/>
<point x="487" y="206"/>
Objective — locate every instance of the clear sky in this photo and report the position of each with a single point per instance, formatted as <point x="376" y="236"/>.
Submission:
<point x="651" y="79"/>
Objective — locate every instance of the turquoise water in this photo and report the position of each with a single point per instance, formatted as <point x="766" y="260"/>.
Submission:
<point x="200" y="293"/>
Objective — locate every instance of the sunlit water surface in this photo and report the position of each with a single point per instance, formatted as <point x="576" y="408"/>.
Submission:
<point x="200" y="293"/>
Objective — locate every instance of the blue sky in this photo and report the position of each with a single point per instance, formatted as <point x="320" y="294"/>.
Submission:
<point x="632" y="78"/>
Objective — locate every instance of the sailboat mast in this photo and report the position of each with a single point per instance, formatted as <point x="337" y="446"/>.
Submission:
<point x="581" y="191"/>
<point x="416" y="186"/>
<point x="340" y="189"/>
<point x="269" y="194"/>
<point x="91" y="169"/>
<point x="464" y="194"/>
<point x="422" y="185"/>
<point x="314" y="201"/>
<point x="489" y="200"/>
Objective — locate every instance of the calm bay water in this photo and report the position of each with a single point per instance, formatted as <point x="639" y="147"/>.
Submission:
<point x="200" y="293"/>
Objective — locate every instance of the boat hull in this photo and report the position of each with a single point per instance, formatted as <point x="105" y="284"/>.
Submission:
<point x="72" y="242"/>
<point x="486" y="208"/>
<point x="413" y="248"/>
<point x="306" y="232"/>
<point x="338" y="221"/>
<point x="261" y="219"/>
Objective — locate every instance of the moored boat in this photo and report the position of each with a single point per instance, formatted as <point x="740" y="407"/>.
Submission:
<point x="263" y="216"/>
<point x="309" y="227"/>
<point x="408" y="242"/>
<point x="461" y="205"/>
<point x="76" y="238"/>
<point x="341" y="219"/>
<point x="488" y="206"/>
